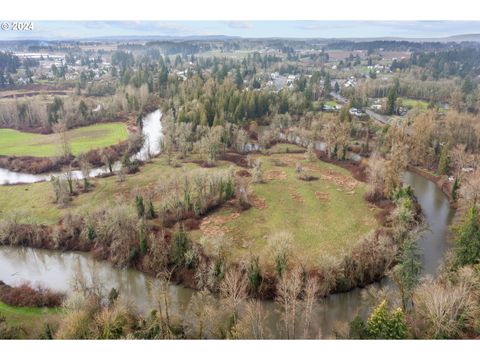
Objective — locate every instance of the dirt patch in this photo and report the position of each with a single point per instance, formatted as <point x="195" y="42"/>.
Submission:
<point x="212" y="225"/>
<point x="243" y="173"/>
<point x="275" y="175"/>
<point x="237" y="159"/>
<point x="279" y="163"/>
<point x="343" y="183"/>
<point x="382" y="216"/>
<point x="257" y="202"/>
<point x="321" y="196"/>
<point x="357" y="169"/>
<point x="295" y="195"/>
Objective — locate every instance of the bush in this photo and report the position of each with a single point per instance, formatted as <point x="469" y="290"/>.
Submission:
<point x="8" y="332"/>
<point x="26" y="295"/>
<point x="385" y="324"/>
<point x="143" y="241"/>
<point x="448" y="309"/>
<point x="358" y="329"/>
<point x="254" y="274"/>
<point x="178" y="248"/>
<point x="140" y="206"/>
<point x="467" y="239"/>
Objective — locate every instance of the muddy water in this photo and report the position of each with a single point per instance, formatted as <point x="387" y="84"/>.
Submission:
<point x="55" y="270"/>
<point x="152" y="130"/>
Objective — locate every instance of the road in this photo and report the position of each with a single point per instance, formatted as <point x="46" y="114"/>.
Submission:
<point x="380" y="118"/>
<point x="338" y="97"/>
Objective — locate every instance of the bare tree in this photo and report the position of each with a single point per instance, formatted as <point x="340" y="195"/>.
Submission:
<point x="470" y="188"/>
<point x="251" y="324"/>
<point x="289" y="287"/>
<point x="257" y="173"/>
<point x="310" y="293"/>
<point x="85" y="168"/>
<point x="233" y="289"/>
<point x="63" y="140"/>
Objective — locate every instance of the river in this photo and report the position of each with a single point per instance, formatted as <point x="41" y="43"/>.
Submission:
<point x="152" y="131"/>
<point x="56" y="269"/>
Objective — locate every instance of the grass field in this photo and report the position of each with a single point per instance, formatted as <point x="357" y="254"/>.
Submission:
<point x="13" y="142"/>
<point x="331" y="103"/>
<point x="415" y="104"/>
<point x="326" y="216"/>
<point x="31" y="320"/>
<point x="36" y="201"/>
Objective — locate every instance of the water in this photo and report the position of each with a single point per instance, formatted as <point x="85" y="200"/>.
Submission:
<point x="55" y="269"/>
<point x="152" y="130"/>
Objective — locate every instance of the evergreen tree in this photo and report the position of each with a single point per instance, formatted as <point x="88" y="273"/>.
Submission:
<point x="327" y="85"/>
<point x="407" y="272"/>
<point x="392" y="97"/>
<point x="140" y="206"/>
<point x="142" y="238"/>
<point x="385" y="324"/>
<point x="467" y="239"/>
<point x="444" y="161"/>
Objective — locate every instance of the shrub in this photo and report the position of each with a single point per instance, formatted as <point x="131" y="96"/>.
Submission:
<point x="179" y="247"/>
<point x="358" y="329"/>
<point x="191" y="258"/>
<point x="254" y="277"/>
<point x="9" y="332"/>
<point x="150" y="210"/>
<point x="448" y="309"/>
<point x="280" y="246"/>
<point x="140" y="206"/>
<point x="257" y="173"/>
<point x="26" y="295"/>
<point x="467" y="239"/>
<point x="385" y="324"/>
<point x="310" y="154"/>
<point x="143" y="241"/>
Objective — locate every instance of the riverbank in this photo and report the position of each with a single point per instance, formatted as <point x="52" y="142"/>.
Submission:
<point x="442" y="182"/>
<point x="334" y="193"/>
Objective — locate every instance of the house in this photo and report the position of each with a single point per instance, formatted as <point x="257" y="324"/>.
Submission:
<point x="356" y="112"/>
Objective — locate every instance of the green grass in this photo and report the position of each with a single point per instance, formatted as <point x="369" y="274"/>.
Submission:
<point x="36" y="201"/>
<point x="31" y="320"/>
<point x="281" y="148"/>
<point x="331" y="103"/>
<point x="13" y="142"/>
<point x="415" y="104"/>
<point x="330" y="226"/>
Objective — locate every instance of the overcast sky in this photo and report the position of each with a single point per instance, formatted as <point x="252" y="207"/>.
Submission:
<point x="296" y="29"/>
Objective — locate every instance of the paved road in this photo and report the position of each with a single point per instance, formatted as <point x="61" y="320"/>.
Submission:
<point x="338" y="97"/>
<point x="380" y="118"/>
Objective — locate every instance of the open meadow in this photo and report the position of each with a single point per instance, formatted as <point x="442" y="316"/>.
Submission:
<point x="17" y="143"/>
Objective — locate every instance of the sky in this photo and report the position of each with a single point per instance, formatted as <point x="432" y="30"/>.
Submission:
<point x="60" y="30"/>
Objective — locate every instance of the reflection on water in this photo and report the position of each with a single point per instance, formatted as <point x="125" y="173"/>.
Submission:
<point x="55" y="269"/>
<point x="438" y="217"/>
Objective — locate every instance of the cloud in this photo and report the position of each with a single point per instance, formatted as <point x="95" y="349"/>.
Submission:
<point x="239" y="24"/>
